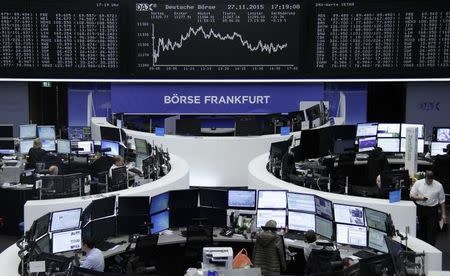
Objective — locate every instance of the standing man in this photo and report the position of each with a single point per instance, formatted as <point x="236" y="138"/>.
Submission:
<point x="428" y="195"/>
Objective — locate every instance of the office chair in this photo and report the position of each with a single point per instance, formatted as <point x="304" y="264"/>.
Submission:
<point x="441" y="171"/>
<point x="323" y="261"/>
<point x="99" y="171"/>
<point x="344" y="171"/>
<point x="143" y="261"/>
<point x="197" y="237"/>
<point x="119" y="179"/>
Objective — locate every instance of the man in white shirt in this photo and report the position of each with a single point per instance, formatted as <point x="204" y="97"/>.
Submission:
<point x="428" y="195"/>
<point x="94" y="257"/>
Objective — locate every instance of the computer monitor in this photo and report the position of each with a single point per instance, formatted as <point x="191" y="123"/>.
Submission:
<point x="442" y="134"/>
<point x="160" y="222"/>
<point x="324" y="227"/>
<point x="27" y="131"/>
<point x="213" y="198"/>
<point x="79" y="133"/>
<point x="63" y="146"/>
<point x="376" y="219"/>
<point x="343" y="146"/>
<point x="376" y="240"/>
<point x="133" y="205"/>
<point x="351" y="235"/>
<point x="420" y="145"/>
<point x="301" y="202"/>
<point x="159" y="203"/>
<point x="272" y="199"/>
<point x="65" y="220"/>
<point x="6" y="131"/>
<point x="100" y="229"/>
<point x="110" y="133"/>
<point x="103" y="207"/>
<point x="242" y="199"/>
<point x="141" y="146"/>
<point x="366" y="129"/>
<point x="66" y="241"/>
<point x="299" y="221"/>
<point x="114" y="146"/>
<point x="46" y="132"/>
<point x="396" y="251"/>
<point x="313" y="112"/>
<point x="349" y="214"/>
<point x="420" y="128"/>
<point x="278" y="149"/>
<point x="367" y="144"/>
<point x="7" y="147"/>
<point x="43" y="244"/>
<point x="188" y="127"/>
<point x="438" y="148"/>
<point x="388" y="130"/>
<point x="41" y="226"/>
<point x="324" y="207"/>
<point x="48" y="145"/>
<point x="183" y="199"/>
<point x="86" y="147"/>
<point x="264" y="215"/>
<point x="389" y="144"/>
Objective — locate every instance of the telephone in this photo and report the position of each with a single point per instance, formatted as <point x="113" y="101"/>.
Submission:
<point x="227" y="232"/>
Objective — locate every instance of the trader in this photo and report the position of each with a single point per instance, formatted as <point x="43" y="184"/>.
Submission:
<point x="36" y="154"/>
<point x="428" y="195"/>
<point x="118" y="162"/>
<point x="94" y="257"/>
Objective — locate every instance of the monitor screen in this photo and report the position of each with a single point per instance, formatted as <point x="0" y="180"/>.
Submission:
<point x="114" y="146"/>
<point x="44" y="244"/>
<point x="159" y="203"/>
<point x="66" y="219"/>
<point x="388" y="130"/>
<point x="86" y="147"/>
<point x="301" y="202"/>
<point x="141" y="146"/>
<point x="42" y="226"/>
<point x="389" y="144"/>
<point x="349" y="214"/>
<point x="437" y="148"/>
<point x="46" y="132"/>
<point x="133" y="205"/>
<point x="183" y="199"/>
<point x="443" y="134"/>
<point x="324" y="207"/>
<point x="110" y="133"/>
<point x="48" y="145"/>
<point x="367" y="144"/>
<point x="420" y="133"/>
<point x="376" y="240"/>
<point x="63" y="146"/>
<point x="66" y="241"/>
<point x="264" y="215"/>
<point x="213" y="198"/>
<point x="7" y="147"/>
<point x="160" y="222"/>
<point x="376" y="219"/>
<point x="79" y="133"/>
<point x="324" y="227"/>
<point x="103" y="207"/>
<point x="420" y="145"/>
<point x="6" y="131"/>
<point x="27" y="131"/>
<point x="351" y="234"/>
<point x="242" y="199"/>
<point x="367" y="129"/>
<point x="272" y="199"/>
<point x="301" y="221"/>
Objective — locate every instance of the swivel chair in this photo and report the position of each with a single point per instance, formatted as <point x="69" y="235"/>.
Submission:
<point x="323" y="261"/>
<point x="197" y="237"/>
<point x="99" y="171"/>
<point x="143" y="261"/>
<point x="344" y="170"/>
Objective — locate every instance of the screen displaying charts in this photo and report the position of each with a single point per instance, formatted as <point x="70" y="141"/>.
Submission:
<point x="420" y="129"/>
<point x="376" y="240"/>
<point x="66" y="241"/>
<point x="264" y="215"/>
<point x="48" y="145"/>
<point x="389" y="144"/>
<point x="301" y="202"/>
<point x="242" y="199"/>
<point x="376" y="219"/>
<point x="63" y="146"/>
<point x="160" y="222"/>
<point x="324" y="227"/>
<point x="301" y="221"/>
<point x="437" y="148"/>
<point x="67" y="219"/>
<point x="420" y="145"/>
<point x="46" y="132"/>
<point x="367" y="129"/>
<point x="367" y="143"/>
<point x="349" y="214"/>
<point x="324" y="207"/>
<point x="27" y="131"/>
<point x="272" y="199"/>
<point x="443" y="135"/>
<point x="351" y="234"/>
<point x="388" y="130"/>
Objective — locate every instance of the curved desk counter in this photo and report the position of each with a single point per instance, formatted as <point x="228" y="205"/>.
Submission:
<point x="177" y="178"/>
<point x="403" y="213"/>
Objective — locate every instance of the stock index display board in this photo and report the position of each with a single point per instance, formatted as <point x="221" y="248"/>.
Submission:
<point x="237" y="39"/>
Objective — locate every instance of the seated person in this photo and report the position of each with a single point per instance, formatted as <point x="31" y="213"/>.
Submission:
<point x="36" y="154"/>
<point x="118" y="162"/>
<point x="376" y="163"/>
<point x="268" y="253"/>
<point x="53" y="170"/>
<point x="94" y="257"/>
<point x="310" y="239"/>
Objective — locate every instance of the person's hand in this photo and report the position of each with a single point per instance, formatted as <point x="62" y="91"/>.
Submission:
<point x="444" y="219"/>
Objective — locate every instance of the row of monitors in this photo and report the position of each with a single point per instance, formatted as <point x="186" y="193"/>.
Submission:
<point x="387" y="130"/>
<point x="61" y="146"/>
<point x="32" y="131"/>
<point x="394" y="145"/>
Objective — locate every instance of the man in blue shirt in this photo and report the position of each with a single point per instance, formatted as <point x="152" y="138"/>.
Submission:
<point x="94" y="257"/>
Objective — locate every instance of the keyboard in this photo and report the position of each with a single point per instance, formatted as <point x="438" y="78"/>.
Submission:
<point x="364" y="254"/>
<point x="295" y="236"/>
<point x="104" y="245"/>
